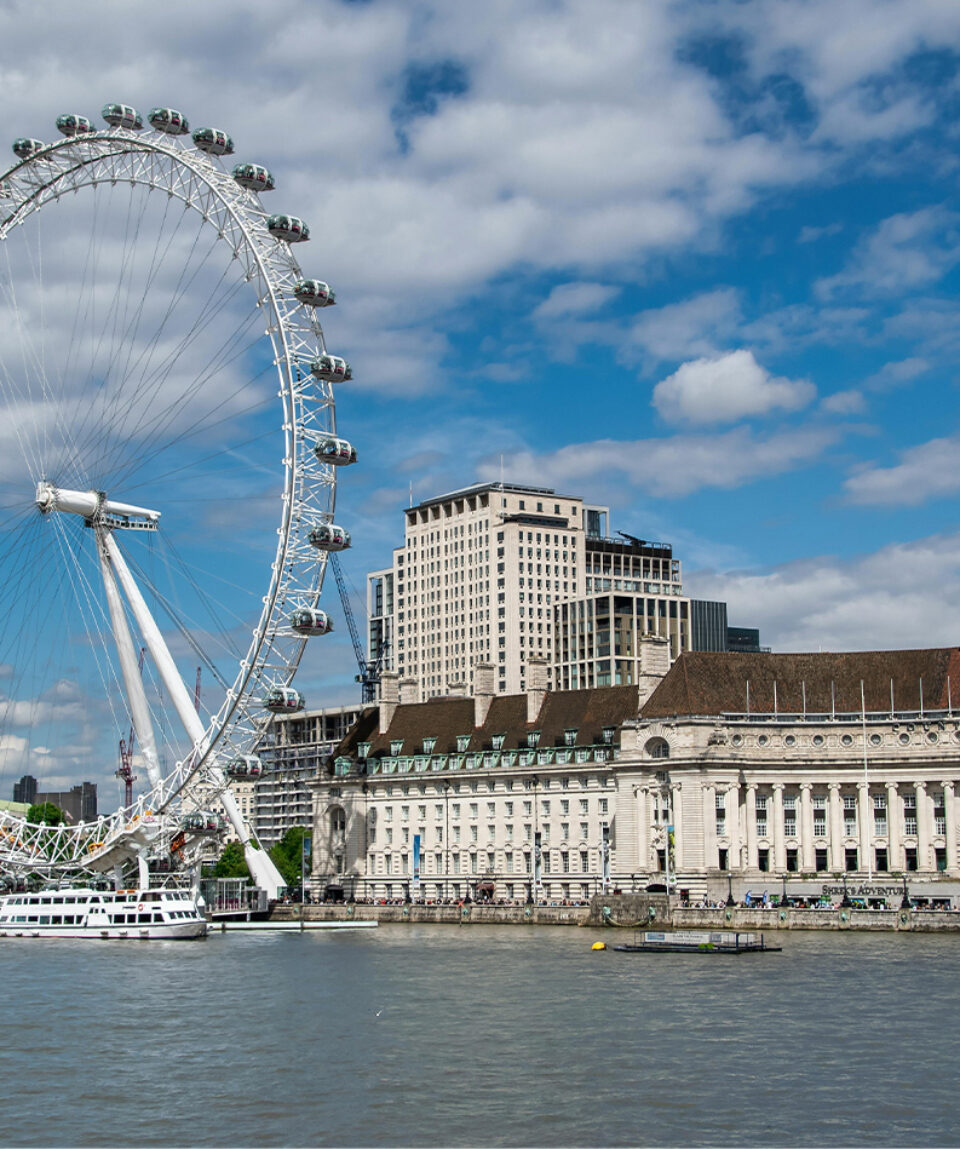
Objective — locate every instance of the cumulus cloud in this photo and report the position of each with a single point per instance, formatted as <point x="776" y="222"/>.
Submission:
<point x="675" y="466"/>
<point x="727" y="388"/>
<point x="927" y="471"/>
<point x="905" y="595"/>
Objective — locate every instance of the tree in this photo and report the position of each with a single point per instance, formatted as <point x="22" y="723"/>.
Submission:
<point x="45" y="813"/>
<point x="286" y="855"/>
<point x="231" y="863"/>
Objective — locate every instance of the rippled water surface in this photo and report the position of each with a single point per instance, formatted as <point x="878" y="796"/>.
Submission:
<point x="440" y="1035"/>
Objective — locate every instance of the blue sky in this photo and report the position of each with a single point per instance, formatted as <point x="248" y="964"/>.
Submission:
<point x="698" y="261"/>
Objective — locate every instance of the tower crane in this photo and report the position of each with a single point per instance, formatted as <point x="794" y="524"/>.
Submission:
<point x="369" y="676"/>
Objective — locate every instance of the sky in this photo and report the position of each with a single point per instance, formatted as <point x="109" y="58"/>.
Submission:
<point x="697" y="261"/>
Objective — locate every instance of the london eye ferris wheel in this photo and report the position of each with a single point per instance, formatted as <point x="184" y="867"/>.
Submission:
<point x="166" y="405"/>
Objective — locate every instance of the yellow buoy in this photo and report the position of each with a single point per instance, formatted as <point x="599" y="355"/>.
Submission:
<point x="599" y="946"/>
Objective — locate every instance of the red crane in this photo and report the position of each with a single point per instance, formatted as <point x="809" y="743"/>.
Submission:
<point x="126" y="755"/>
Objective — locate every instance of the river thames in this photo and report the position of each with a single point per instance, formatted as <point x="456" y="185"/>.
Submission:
<point x="444" y="1035"/>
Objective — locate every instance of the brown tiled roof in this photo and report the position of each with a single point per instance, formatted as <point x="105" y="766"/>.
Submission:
<point x="586" y="711"/>
<point x="701" y="683"/>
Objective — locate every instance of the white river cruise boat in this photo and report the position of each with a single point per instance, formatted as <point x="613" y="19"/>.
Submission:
<point x="137" y="915"/>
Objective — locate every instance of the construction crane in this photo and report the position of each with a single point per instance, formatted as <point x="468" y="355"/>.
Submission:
<point x="369" y="676"/>
<point x="125" y="772"/>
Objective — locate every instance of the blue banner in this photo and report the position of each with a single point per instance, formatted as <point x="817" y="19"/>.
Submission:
<point x="416" y="863"/>
<point x="307" y="847"/>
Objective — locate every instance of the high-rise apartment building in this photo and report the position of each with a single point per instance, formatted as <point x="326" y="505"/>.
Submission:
<point x="480" y="578"/>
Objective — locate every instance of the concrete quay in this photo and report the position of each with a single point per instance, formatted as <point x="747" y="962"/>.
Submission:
<point x="635" y="911"/>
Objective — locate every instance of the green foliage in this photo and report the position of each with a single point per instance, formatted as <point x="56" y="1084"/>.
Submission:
<point x="46" y="813"/>
<point x="231" y="863"/>
<point x="286" y="855"/>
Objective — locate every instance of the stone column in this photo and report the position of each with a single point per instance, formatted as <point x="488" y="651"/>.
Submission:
<point x="837" y="860"/>
<point x="708" y="802"/>
<point x="643" y="831"/>
<point x="894" y="845"/>
<point x="779" y="841"/>
<point x="807" y="854"/>
<point x="733" y="826"/>
<point x="866" y="826"/>
<point x="675" y="819"/>
<point x="750" y="862"/>
<point x="923" y="827"/>
<point x="949" y="808"/>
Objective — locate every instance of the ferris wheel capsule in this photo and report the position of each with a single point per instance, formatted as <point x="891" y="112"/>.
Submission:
<point x="253" y="177"/>
<point x="310" y="622"/>
<point x="332" y="368"/>
<point x="336" y="451"/>
<point x="169" y="120"/>
<point x="283" y="700"/>
<point x="329" y="537"/>
<point x="122" y="116"/>
<point x="288" y="227"/>
<point x="213" y="141"/>
<point x="25" y="148"/>
<point x="194" y="822"/>
<point x="72" y="125"/>
<point x="245" y="766"/>
<point x="314" y="292"/>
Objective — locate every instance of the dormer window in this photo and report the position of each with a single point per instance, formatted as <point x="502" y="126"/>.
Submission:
<point x="363" y="749"/>
<point x="607" y="734"/>
<point x="497" y="741"/>
<point x="428" y="745"/>
<point x="396" y="745"/>
<point x="463" y="741"/>
<point x="570" y="737"/>
<point x="533" y="739"/>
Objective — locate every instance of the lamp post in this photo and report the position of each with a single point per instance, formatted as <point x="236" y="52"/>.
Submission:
<point x="783" y="896"/>
<point x="905" y="900"/>
<point x="845" y="900"/>
<point x="730" y="900"/>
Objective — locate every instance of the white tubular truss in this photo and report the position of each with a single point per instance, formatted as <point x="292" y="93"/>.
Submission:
<point x="172" y="165"/>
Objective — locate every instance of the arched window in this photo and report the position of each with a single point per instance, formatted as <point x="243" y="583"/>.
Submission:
<point x="657" y="748"/>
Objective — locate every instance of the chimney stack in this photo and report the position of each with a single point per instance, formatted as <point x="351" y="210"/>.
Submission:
<point x="456" y="688"/>
<point x="408" y="691"/>
<point x="483" y="688"/>
<point x="389" y="697"/>
<point x="654" y="664"/>
<point x="536" y="687"/>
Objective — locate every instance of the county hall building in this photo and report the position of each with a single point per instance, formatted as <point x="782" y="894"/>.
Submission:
<point x="723" y="772"/>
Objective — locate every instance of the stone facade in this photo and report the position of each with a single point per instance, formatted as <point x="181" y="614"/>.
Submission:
<point x="559" y="795"/>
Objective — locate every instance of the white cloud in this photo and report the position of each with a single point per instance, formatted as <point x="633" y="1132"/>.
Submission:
<point x="727" y="388"/>
<point x="927" y="471"/>
<point x="906" y="251"/>
<point x="671" y="467"/>
<point x="903" y="596"/>
<point x="897" y="374"/>
<point x="575" y="299"/>
<point x="812" y="234"/>
<point x="695" y="326"/>
<point x="845" y="403"/>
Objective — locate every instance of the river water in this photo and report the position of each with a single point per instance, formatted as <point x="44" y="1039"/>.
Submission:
<point x="445" y="1035"/>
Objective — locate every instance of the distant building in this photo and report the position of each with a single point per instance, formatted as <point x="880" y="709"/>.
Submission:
<point x="297" y="747"/>
<point x="480" y="579"/>
<point x="744" y="639"/>
<point x="711" y="632"/>
<point x="79" y="804"/>
<point x="25" y="790"/>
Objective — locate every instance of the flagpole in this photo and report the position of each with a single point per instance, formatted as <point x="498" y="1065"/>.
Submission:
<point x="866" y="782"/>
